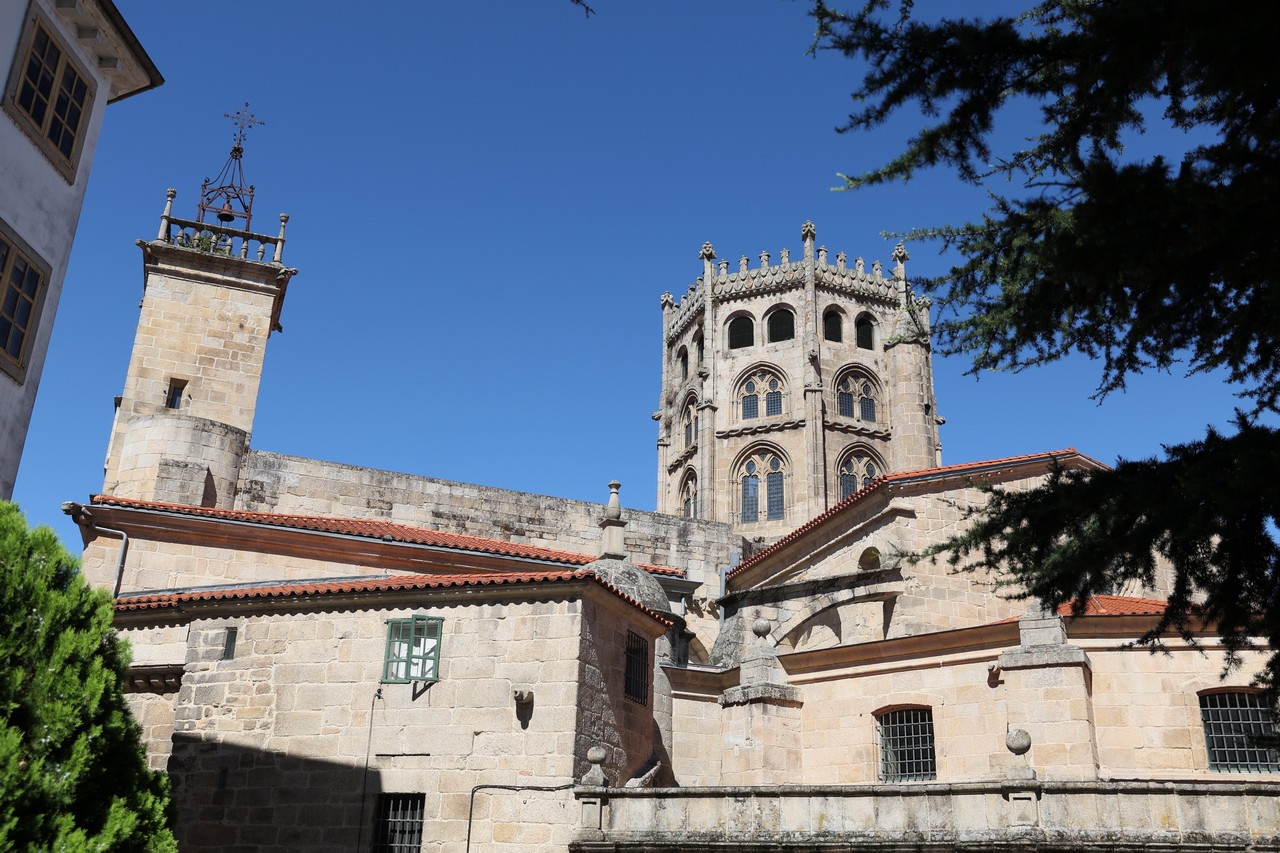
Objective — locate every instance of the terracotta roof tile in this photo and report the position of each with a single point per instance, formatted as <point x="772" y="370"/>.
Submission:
<point x="880" y="482"/>
<point x="1118" y="605"/>
<point x="308" y="589"/>
<point x="373" y="529"/>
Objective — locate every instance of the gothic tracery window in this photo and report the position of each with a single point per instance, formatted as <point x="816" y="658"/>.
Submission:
<point x="762" y="477"/>
<point x="856" y="398"/>
<point x="857" y="472"/>
<point x="762" y="386"/>
<point x="689" y="496"/>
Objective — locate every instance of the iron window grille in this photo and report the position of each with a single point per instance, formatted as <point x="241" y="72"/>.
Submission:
<point x="1240" y="732"/>
<point x="413" y="650"/>
<point x="636" y="675"/>
<point x="399" y="823"/>
<point x="907" y="746"/>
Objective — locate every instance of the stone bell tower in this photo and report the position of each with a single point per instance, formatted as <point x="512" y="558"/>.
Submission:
<point x="789" y="386"/>
<point x="212" y="295"/>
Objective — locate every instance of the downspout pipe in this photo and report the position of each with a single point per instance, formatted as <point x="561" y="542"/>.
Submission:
<point x="84" y="518"/>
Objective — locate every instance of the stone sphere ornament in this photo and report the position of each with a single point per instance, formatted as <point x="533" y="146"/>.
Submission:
<point x="1018" y="741"/>
<point x="760" y="627"/>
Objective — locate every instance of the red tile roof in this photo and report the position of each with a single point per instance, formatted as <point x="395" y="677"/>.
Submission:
<point x="373" y="529"/>
<point x="308" y="589"/>
<point x="1118" y="605"/>
<point x="904" y="476"/>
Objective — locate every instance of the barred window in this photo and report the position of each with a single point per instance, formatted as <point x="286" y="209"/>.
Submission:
<point x="49" y="96"/>
<point x="1241" y="732"/>
<point x="906" y="745"/>
<point x="636" y="676"/>
<point x="413" y="650"/>
<point x="398" y="826"/>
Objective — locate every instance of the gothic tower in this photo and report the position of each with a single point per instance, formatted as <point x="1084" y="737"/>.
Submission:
<point x="788" y="387"/>
<point x="212" y="294"/>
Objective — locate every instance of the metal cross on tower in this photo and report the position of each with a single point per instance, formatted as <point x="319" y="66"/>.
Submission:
<point x="227" y="195"/>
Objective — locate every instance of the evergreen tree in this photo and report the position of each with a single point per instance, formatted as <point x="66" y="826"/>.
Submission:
<point x="1138" y="263"/>
<point x="73" y="775"/>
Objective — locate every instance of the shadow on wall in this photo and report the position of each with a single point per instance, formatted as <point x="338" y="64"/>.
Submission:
<point x="233" y="797"/>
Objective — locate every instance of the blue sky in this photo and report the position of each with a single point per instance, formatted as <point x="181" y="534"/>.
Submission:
<point x="487" y="201"/>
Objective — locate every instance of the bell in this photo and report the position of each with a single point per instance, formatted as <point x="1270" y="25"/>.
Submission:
<point x="225" y="215"/>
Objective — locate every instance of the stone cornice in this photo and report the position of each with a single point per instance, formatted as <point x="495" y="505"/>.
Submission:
<point x="760" y="428"/>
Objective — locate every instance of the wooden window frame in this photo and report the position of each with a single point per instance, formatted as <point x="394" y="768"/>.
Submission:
<point x="430" y="627"/>
<point x="66" y="166"/>
<point x="16" y="367"/>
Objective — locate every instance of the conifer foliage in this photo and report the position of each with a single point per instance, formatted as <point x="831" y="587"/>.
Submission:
<point x="73" y="775"/>
<point x="1152" y="262"/>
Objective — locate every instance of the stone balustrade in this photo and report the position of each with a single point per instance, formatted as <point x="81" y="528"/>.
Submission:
<point x="215" y="239"/>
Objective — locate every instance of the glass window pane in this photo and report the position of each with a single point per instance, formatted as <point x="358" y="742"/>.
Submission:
<point x="773" y="403"/>
<point x="774" y="484"/>
<point x="750" y="498"/>
<point x="750" y="406"/>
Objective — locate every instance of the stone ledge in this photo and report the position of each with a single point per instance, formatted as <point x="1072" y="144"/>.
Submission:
<point x="772" y="694"/>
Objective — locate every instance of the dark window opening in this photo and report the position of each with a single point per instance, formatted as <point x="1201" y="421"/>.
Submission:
<point x="782" y="325"/>
<point x="636" y="676"/>
<point x="173" y="398"/>
<point x="865" y="332"/>
<point x="742" y="332"/>
<point x="398" y="826"/>
<point x="684" y="364"/>
<point x="832" y="326"/>
<point x="229" y="643"/>
<point x="906" y="746"/>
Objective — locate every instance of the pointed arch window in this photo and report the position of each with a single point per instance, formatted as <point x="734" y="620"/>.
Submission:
<point x="833" y="326"/>
<point x="856" y="398"/>
<point x="683" y="358"/>
<point x="857" y="472"/>
<point x="763" y="480"/>
<point x="742" y="332"/>
<point x="762" y="387"/>
<point x="782" y="325"/>
<point x="864" y="330"/>
<point x="689" y="496"/>
<point x="689" y="422"/>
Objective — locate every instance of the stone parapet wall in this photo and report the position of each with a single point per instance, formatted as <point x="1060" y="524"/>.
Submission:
<point x="1063" y="816"/>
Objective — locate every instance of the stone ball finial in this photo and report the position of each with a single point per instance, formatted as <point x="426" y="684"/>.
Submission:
<point x="708" y="252"/>
<point x="597" y="754"/>
<point x="1018" y="741"/>
<point x="613" y="509"/>
<point x="760" y="627"/>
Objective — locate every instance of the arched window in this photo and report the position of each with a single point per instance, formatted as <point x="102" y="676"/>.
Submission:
<point x="906" y="745"/>
<point x="683" y="358"/>
<point x="689" y="422"/>
<point x="764" y="468"/>
<point x="856" y="472"/>
<point x="761" y="386"/>
<point x="856" y="398"/>
<point x="742" y="332"/>
<point x="833" y="326"/>
<point x="865" y="332"/>
<point x="782" y="325"/>
<point x="698" y="346"/>
<point x="689" y="496"/>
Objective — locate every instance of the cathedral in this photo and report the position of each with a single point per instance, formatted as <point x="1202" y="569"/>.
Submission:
<point x="329" y="657"/>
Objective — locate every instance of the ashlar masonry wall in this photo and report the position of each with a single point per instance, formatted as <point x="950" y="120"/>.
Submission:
<point x="272" y="482"/>
<point x="269" y="749"/>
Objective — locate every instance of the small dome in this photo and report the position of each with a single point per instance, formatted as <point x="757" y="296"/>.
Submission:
<point x="632" y="581"/>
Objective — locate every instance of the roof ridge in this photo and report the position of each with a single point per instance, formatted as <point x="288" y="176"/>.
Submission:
<point x="377" y="529"/>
